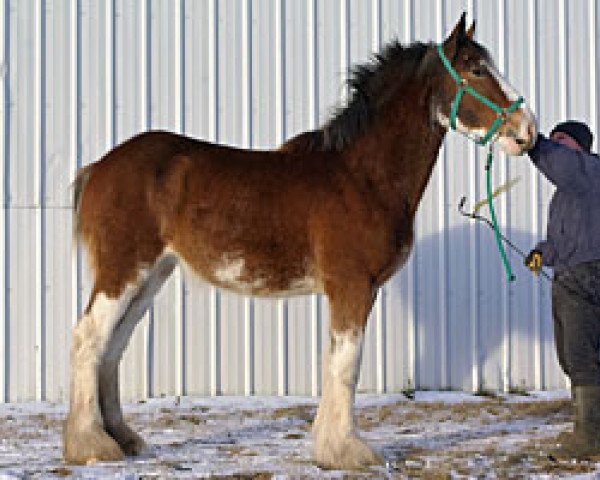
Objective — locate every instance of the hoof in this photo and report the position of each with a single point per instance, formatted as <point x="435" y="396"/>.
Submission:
<point x="130" y="442"/>
<point x="346" y="453"/>
<point x="88" y="445"/>
<point x="574" y="447"/>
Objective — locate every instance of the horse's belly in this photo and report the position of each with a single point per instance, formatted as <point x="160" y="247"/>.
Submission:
<point x="256" y="278"/>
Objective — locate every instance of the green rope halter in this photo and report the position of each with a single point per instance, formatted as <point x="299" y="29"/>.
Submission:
<point x="502" y="115"/>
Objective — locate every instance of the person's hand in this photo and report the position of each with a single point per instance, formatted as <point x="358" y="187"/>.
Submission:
<point x="534" y="261"/>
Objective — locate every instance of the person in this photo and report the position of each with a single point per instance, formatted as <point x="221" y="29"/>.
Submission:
<point x="572" y="248"/>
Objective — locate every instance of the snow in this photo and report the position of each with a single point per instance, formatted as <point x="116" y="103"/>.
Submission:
<point x="443" y="434"/>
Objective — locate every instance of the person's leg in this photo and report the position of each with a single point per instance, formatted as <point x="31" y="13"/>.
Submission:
<point x="579" y="325"/>
<point x="557" y="293"/>
<point x="578" y="342"/>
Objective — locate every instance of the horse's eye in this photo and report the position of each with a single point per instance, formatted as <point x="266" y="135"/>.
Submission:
<point x="478" y="71"/>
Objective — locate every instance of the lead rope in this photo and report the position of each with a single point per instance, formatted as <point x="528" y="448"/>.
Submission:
<point x="488" y="169"/>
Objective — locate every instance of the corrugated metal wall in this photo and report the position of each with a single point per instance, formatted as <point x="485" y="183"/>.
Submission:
<point x="77" y="77"/>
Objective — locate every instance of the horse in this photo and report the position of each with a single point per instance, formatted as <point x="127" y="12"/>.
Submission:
<point x="330" y="211"/>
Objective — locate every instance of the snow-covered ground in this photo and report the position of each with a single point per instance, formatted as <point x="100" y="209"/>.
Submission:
<point x="434" y="435"/>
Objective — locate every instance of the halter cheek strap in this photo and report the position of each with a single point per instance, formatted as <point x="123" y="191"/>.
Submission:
<point x="502" y="115"/>
<point x="464" y="87"/>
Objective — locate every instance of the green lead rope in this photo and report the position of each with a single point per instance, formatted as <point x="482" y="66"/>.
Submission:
<point x="488" y="168"/>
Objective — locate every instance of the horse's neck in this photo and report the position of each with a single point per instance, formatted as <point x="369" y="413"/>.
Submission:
<point x="396" y="158"/>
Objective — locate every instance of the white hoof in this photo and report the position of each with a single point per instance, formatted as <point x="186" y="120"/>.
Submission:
<point x="347" y="452"/>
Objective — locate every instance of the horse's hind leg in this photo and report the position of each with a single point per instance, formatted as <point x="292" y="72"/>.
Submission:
<point x="130" y="442"/>
<point x="85" y="439"/>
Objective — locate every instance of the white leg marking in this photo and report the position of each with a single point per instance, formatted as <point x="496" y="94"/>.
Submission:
<point x="336" y="442"/>
<point x="90" y="338"/>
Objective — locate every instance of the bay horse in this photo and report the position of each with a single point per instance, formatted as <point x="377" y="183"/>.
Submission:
<point x="330" y="211"/>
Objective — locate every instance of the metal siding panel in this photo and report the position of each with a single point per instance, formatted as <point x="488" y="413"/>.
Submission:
<point x="426" y="250"/>
<point x="401" y="329"/>
<point x="22" y="83"/>
<point x="197" y="338"/>
<point x="461" y="288"/>
<point x="266" y="332"/>
<point x="331" y="75"/>
<point x="264" y="102"/>
<point x="578" y="60"/>
<point x="130" y="117"/>
<point x="299" y="114"/>
<point x="22" y="329"/>
<point x="4" y="169"/>
<point x="262" y="331"/>
<point x="523" y="327"/>
<point x="231" y="344"/>
<point x="217" y="70"/>
<point x="93" y="82"/>
<point x="231" y="131"/>
<point x="58" y="87"/>
<point x="165" y="113"/>
<point x="59" y="299"/>
<point x="197" y="123"/>
<point x="92" y="109"/>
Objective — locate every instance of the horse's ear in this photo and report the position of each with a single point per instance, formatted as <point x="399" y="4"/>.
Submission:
<point x="458" y="35"/>
<point x="471" y="31"/>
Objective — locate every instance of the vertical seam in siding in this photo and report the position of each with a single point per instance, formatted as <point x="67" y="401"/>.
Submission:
<point x="562" y="56"/>
<point x="39" y="185"/>
<point x="413" y="275"/>
<point x="247" y="142"/>
<point x="313" y="82"/>
<point x="506" y="324"/>
<point x="213" y="65"/>
<point x="443" y="235"/>
<point x="110" y="73"/>
<point x="380" y="313"/>
<point x="475" y="287"/>
<point x="345" y="47"/>
<point x="145" y="116"/>
<point x="535" y="194"/>
<point x="75" y="135"/>
<point x="380" y="316"/>
<point x="4" y="241"/>
<point x="282" y="304"/>
<point x="180" y="300"/>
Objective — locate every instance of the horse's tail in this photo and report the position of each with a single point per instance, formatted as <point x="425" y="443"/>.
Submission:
<point x="83" y="175"/>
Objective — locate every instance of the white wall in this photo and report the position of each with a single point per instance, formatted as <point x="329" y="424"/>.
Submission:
<point x="76" y="77"/>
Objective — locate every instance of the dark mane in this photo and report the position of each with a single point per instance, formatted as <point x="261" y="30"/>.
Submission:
<point x="370" y="86"/>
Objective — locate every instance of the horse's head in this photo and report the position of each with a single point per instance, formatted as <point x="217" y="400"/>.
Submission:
<point x="474" y="98"/>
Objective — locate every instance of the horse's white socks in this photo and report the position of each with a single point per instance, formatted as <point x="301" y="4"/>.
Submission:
<point x="334" y="422"/>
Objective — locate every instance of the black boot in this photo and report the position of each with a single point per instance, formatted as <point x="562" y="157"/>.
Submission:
<point x="584" y="442"/>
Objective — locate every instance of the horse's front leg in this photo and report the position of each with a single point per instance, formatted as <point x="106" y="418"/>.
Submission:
<point x="337" y="443"/>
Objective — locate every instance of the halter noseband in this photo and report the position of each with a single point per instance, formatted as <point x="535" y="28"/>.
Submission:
<point x="463" y="86"/>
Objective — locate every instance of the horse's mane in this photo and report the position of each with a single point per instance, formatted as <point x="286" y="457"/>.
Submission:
<point x="371" y="85"/>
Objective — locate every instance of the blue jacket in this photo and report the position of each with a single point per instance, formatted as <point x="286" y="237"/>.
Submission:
<point x="573" y="231"/>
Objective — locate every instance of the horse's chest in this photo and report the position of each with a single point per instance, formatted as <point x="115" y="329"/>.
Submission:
<point x="399" y="245"/>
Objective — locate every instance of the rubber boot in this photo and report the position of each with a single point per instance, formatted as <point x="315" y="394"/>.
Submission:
<point x="584" y="442"/>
